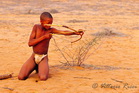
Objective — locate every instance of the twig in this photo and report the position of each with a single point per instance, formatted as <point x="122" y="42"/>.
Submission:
<point x="94" y="51"/>
<point x="61" y="52"/>
<point x="5" y="76"/>
<point x="86" y="50"/>
<point x="82" y="77"/>
<point x="8" y="88"/>
<point x="117" y="80"/>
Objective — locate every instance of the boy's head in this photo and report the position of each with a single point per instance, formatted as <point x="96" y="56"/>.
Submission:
<point x="46" y="18"/>
<point x="45" y="15"/>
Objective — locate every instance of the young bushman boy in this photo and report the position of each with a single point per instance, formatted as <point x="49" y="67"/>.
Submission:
<point x="39" y="41"/>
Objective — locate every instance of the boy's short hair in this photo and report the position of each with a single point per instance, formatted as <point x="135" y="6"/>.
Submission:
<point x="45" y="15"/>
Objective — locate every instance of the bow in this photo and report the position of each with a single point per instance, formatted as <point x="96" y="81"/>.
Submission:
<point x="81" y="34"/>
<point x="80" y="31"/>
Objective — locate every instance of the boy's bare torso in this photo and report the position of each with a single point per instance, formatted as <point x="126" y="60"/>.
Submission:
<point x="41" y="47"/>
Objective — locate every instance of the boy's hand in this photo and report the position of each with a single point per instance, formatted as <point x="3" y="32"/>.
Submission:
<point x="79" y="32"/>
<point x="48" y="35"/>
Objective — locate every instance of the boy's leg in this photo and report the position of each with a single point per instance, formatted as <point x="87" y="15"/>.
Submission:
<point x="43" y="68"/>
<point x="27" y="68"/>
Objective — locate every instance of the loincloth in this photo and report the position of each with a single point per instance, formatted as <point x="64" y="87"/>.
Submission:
<point x="39" y="57"/>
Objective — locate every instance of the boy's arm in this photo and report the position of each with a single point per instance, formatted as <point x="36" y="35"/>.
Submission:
<point x="55" y="31"/>
<point x="33" y="40"/>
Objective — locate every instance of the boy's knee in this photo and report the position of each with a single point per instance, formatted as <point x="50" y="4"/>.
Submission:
<point x="43" y="77"/>
<point x="21" y="77"/>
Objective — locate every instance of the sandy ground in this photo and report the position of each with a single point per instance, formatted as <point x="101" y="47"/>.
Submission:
<point x="114" y="65"/>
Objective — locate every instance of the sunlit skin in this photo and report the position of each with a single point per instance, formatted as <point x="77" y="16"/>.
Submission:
<point x="46" y="21"/>
<point x="39" y="40"/>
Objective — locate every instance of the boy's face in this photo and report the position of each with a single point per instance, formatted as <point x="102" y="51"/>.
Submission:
<point x="46" y="21"/>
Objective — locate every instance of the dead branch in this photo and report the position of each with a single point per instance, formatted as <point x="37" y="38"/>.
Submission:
<point x="5" y="76"/>
<point x="8" y="88"/>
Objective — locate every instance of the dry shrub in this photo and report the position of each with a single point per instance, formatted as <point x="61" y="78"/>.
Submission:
<point x="83" y="49"/>
<point x="78" y="52"/>
<point x="109" y="32"/>
<point x="54" y="11"/>
<point x="77" y="21"/>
